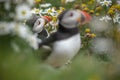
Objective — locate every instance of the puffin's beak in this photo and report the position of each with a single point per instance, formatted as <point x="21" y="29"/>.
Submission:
<point x="79" y="20"/>
<point x="84" y="17"/>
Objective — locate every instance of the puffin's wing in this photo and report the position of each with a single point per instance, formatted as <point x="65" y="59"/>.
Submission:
<point x="44" y="53"/>
<point x="49" y="40"/>
<point x="43" y="34"/>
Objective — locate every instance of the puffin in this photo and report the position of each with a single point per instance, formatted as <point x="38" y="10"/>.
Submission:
<point x="38" y="25"/>
<point x="65" y="43"/>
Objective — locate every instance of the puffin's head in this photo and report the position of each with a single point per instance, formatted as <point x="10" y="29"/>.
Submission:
<point x="40" y="23"/>
<point x="73" y="18"/>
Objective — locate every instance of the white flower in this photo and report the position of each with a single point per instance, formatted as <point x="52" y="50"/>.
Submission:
<point x="36" y="11"/>
<point x="117" y="18"/>
<point x="22" y="30"/>
<point x="54" y="26"/>
<point x="6" y="28"/>
<point x="51" y="11"/>
<point x="106" y="18"/>
<point x="100" y="26"/>
<point x="69" y="1"/>
<point x="11" y="27"/>
<point x="45" y="5"/>
<point x="33" y="41"/>
<point x="106" y="3"/>
<point x="23" y="12"/>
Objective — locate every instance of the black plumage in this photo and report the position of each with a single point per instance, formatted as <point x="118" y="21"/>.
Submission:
<point x="30" y="22"/>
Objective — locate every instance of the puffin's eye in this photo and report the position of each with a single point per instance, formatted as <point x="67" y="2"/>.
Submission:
<point x="38" y="22"/>
<point x="71" y="14"/>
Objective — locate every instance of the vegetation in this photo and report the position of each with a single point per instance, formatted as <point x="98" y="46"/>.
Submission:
<point x="98" y="59"/>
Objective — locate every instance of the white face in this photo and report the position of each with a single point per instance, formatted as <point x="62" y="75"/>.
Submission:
<point x="70" y="19"/>
<point x="39" y="25"/>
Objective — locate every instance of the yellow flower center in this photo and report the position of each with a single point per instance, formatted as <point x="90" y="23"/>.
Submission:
<point x="37" y="10"/>
<point x="50" y="11"/>
<point x="37" y="1"/>
<point x="90" y="2"/>
<point x="84" y="5"/>
<point x="86" y="9"/>
<point x="23" y="12"/>
<point x="111" y="12"/>
<point x="87" y="30"/>
<point x="98" y="8"/>
<point x="93" y="35"/>
<point x="91" y="11"/>
<point x="63" y="1"/>
<point x="54" y="18"/>
<point x="118" y="7"/>
<point x="97" y="14"/>
<point x="106" y="3"/>
<point x="61" y="8"/>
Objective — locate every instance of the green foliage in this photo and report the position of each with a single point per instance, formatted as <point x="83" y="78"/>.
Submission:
<point x="18" y="61"/>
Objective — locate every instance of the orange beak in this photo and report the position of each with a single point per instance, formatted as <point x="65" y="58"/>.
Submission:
<point x="84" y="18"/>
<point x="79" y="20"/>
<point x="47" y="18"/>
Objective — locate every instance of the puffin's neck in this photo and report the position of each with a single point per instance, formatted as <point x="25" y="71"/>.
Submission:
<point x="66" y="30"/>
